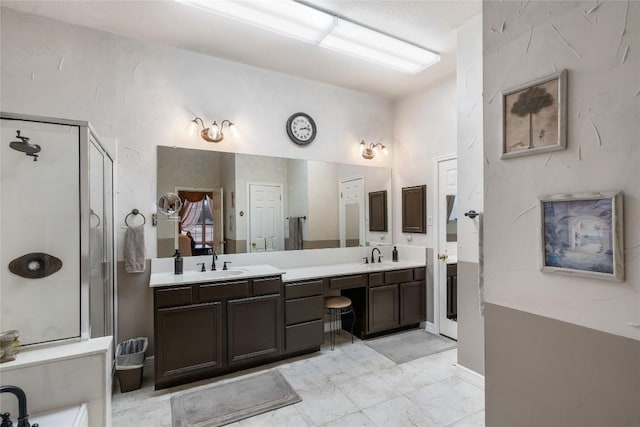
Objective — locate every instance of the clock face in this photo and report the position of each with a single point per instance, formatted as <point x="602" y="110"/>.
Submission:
<point x="301" y="128"/>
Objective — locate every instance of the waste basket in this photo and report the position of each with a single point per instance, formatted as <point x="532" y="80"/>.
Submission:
<point x="129" y="363"/>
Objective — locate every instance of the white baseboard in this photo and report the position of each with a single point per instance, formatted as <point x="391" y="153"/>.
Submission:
<point x="431" y="328"/>
<point x="472" y="376"/>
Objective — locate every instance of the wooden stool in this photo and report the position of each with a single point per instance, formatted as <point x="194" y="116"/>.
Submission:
<point x="336" y="307"/>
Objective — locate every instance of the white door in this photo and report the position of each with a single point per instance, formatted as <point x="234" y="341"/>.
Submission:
<point x="447" y="245"/>
<point x="351" y="212"/>
<point x="265" y="218"/>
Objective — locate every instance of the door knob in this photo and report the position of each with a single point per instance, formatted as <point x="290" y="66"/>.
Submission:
<point x="443" y="257"/>
<point x="253" y="244"/>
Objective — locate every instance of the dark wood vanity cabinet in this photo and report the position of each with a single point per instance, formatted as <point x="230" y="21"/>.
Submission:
<point x="254" y="328"/>
<point x="203" y="330"/>
<point x="383" y="310"/>
<point x="412" y="303"/>
<point x="208" y="329"/>
<point x="395" y="299"/>
<point x="188" y="339"/>
<point x="303" y="307"/>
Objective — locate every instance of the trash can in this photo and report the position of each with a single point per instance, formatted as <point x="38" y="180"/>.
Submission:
<point x="129" y="363"/>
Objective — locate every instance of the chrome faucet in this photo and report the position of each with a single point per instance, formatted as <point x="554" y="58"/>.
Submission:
<point x="213" y="260"/>
<point x="23" y="417"/>
<point x="379" y="255"/>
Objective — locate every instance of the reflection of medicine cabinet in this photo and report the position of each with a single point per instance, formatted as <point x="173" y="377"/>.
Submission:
<point x="414" y="209"/>
<point x="378" y="210"/>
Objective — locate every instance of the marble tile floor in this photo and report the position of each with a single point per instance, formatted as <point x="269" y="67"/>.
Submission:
<point x="348" y="387"/>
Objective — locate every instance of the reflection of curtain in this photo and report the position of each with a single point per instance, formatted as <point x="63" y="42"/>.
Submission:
<point x="295" y="233"/>
<point x="190" y="214"/>
<point x="216" y="215"/>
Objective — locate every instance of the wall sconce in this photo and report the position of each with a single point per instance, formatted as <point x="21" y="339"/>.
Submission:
<point x="369" y="151"/>
<point x="211" y="134"/>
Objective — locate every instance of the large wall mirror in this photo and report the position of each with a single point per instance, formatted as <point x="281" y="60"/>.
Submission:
<point x="237" y="203"/>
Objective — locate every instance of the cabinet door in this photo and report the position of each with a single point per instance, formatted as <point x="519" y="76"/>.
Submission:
<point x="412" y="303"/>
<point x="383" y="308"/>
<point x="188" y="339"/>
<point x="254" y="328"/>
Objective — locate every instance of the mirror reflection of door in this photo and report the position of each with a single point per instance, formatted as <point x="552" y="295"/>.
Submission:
<point x="266" y="223"/>
<point x="200" y="230"/>
<point x="352" y="225"/>
<point x="351" y="218"/>
<point x="447" y="247"/>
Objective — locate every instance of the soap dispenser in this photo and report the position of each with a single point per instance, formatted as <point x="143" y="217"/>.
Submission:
<point x="177" y="263"/>
<point x="394" y="254"/>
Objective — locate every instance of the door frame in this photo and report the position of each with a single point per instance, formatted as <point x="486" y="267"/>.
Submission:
<point x="436" y="242"/>
<point x="341" y="214"/>
<point x="248" y="220"/>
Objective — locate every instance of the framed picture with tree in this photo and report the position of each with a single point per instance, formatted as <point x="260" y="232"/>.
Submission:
<point x="534" y="117"/>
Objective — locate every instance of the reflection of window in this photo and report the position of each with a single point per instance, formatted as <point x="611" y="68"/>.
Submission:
<point x="202" y="230"/>
<point x="196" y="218"/>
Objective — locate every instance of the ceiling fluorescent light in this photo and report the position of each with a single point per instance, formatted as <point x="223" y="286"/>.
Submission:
<point x="370" y="45"/>
<point x="289" y="18"/>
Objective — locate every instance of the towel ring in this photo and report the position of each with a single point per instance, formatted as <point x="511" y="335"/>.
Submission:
<point x="135" y="212"/>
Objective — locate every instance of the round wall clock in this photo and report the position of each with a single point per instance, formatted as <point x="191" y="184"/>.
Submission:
<point x="301" y="128"/>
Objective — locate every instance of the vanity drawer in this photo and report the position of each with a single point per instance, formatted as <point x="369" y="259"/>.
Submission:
<point x="173" y="297"/>
<point x="399" y="276"/>
<point x="419" y="273"/>
<point x="347" y="281"/>
<point x="304" y="335"/>
<point x="269" y="285"/>
<point x="217" y="291"/>
<point x="303" y="309"/>
<point x="376" y="279"/>
<point x="303" y="289"/>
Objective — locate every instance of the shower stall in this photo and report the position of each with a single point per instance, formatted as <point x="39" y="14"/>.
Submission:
<point x="56" y="230"/>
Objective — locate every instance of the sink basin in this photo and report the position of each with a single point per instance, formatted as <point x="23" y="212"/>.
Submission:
<point x="188" y="275"/>
<point x="234" y="272"/>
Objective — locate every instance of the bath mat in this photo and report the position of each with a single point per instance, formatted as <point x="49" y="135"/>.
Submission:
<point x="226" y="403"/>
<point x="407" y="346"/>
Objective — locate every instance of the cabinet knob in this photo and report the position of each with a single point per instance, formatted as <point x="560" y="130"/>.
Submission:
<point x="443" y="256"/>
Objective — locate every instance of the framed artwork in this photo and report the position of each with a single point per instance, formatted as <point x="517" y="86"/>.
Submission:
<point x="534" y="117"/>
<point x="378" y="210"/>
<point x="414" y="209"/>
<point x="582" y="234"/>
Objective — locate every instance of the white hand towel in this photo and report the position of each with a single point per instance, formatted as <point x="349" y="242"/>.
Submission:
<point x="134" y="249"/>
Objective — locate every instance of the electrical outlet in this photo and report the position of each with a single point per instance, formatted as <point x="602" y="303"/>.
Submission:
<point x="429" y="221"/>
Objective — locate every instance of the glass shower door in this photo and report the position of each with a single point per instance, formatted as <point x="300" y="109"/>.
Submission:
<point x="101" y="289"/>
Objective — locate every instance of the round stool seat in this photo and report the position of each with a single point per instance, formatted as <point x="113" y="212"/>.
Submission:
<point x="337" y="302"/>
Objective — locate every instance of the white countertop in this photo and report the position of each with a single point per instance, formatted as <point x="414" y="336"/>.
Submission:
<point x="188" y="277"/>
<point x="305" y="273"/>
<point x="289" y="274"/>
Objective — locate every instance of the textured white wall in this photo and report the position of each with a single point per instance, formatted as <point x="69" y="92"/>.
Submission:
<point x="598" y="43"/>
<point x="470" y="161"/>
<point x="424" y="128"/>
<point x="145" y="94"/>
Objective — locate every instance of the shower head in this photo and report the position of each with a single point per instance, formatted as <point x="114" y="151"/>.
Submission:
<point x="25" y="146"/>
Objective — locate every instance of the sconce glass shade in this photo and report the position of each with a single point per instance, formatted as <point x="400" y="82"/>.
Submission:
<point x="192" y="127"/>
<point x="215" y="132"/>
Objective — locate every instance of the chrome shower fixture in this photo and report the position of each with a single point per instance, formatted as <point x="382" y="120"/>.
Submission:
<point x="25" y="146"/>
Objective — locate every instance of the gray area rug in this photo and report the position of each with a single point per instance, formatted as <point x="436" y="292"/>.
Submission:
<point x="232" y="401"/>
<point x="407" y="346"/>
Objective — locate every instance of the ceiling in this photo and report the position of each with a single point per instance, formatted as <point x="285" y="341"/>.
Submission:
<point x="428" y="23"/>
